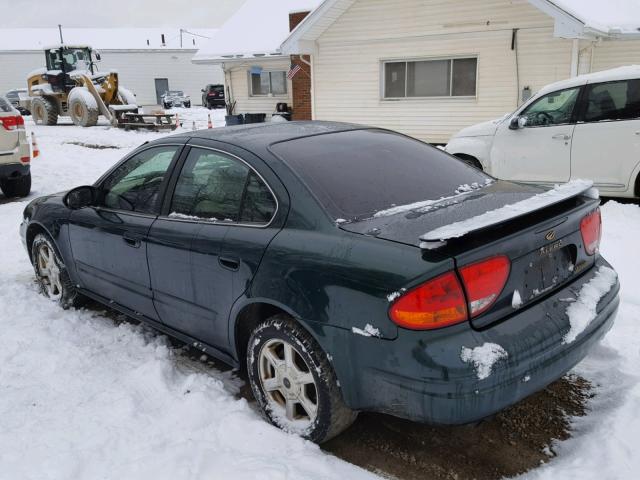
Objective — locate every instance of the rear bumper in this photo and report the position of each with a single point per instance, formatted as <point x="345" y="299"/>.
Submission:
<point x="13" y="170"/>
<point x="421" y="376"/>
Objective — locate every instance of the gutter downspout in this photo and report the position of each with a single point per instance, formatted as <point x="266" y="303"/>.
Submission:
<point x="313" y="83"/>
<point x="575" y="53"/>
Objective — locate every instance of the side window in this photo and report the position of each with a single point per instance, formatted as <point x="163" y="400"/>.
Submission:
<point x="210" y="187"/>
<point x="258" y="205"/>
<point x="555" y="108"/>
<point x="135" y="185"/>
<point x="613" y="101"/>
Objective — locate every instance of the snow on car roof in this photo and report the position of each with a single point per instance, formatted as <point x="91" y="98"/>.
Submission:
<point x="612" y="16"/>
<point x="103" y="38"/>
<point x="256" y="30"/>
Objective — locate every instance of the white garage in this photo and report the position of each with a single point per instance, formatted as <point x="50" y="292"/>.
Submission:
<point x="148" y="60"/>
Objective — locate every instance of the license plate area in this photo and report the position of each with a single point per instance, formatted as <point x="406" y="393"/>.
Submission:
<point x="548" y="268"/>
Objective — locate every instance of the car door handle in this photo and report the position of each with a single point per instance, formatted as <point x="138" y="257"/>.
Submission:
<point x="561" y="136"/>
<point x="132" y="240"/>
<point x="229" y="263"/>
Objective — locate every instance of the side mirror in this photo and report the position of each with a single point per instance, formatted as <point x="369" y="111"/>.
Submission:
<point x="98" y="58"/>
<point x="517" y="122"/>
<point x="81" y="197"/>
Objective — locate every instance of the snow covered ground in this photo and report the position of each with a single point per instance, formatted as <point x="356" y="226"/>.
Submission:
<point x="85" y="397"/>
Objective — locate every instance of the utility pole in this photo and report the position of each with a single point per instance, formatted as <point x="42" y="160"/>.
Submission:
<point x="60" y="30"/>
<point x="181" y="30"/>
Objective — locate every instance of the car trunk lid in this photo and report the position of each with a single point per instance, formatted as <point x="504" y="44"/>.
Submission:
<point x="543" y="243"/>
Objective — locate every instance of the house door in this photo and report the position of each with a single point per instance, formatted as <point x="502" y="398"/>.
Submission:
<point x="162" y="85"/>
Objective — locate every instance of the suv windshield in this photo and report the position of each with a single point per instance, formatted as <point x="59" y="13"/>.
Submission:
<point x="357" y="173"/>
<point x="174" y="93"/>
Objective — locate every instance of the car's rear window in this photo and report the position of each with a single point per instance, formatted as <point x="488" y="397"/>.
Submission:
<point x="357" y="173"/>
<point x="5" y="106"/>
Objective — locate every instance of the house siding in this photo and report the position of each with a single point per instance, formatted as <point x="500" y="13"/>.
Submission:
<point x="136" y="69"/>
<point x="347" y="67"/>
<point x="615" y="53"/>
<point x="237" y="80"/>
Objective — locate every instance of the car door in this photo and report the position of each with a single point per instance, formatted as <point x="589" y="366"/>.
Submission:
<point x="606" y="140"/>
<point x="539" y="151"/>
<point x="195" y="273"/>
<point x="109" y="240"/>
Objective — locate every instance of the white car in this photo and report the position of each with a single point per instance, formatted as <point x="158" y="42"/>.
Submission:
<point x="15" y="152"/>
<point x="585" y="127"/>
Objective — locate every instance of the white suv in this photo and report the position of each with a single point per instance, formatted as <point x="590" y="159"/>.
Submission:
<point x="584" y="127"/>
<point x="15" y="154"/>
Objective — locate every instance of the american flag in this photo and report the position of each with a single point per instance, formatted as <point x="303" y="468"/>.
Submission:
<point x="292" y="71"/>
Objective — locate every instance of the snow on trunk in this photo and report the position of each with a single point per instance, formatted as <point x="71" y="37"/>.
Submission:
<point x="502" y="214"/>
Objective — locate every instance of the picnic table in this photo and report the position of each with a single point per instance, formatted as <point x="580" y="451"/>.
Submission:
<point x="149" y="121"/>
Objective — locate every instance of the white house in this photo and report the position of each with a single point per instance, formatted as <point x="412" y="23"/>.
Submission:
<point x="148" y="60"/>
<point x="247" y="47"/>
<point x="431" y="67"/>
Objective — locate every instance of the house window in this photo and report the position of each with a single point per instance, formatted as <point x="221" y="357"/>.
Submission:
<point x="452" y="77"/>
<point x="268" y="83"/>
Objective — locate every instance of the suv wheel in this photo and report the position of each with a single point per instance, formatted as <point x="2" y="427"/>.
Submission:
<point x="51" y="273"/>
<point x="293" y="381"/>
<point x="16" y="187"/>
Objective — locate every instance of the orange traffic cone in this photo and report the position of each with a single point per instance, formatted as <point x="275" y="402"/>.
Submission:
<point x="209" y="124"/>
<point x="194" y="126"/>
<point x="35" y="151"/>
<point x="177" y="121"/>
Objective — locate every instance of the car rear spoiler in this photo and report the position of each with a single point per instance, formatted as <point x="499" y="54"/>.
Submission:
<point x="438" y="237"/>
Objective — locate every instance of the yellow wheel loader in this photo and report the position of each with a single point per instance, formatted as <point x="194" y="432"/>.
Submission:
<point x="70" y="85"/>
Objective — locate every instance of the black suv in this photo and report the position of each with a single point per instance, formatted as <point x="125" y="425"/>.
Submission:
<point x="213" y="96"/>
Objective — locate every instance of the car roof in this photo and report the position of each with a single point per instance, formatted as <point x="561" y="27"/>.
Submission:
<point x="259" y="136"/>
<point x="621" y="73"/>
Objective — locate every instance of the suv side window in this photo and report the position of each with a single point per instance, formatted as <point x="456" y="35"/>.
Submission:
<point x="613" y="101"/>
<point x="135" y="185"/>
<point x="555" y="108"/>
<point x="210" y="186"/>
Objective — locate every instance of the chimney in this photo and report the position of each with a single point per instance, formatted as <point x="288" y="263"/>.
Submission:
<point x="301" y="82"/>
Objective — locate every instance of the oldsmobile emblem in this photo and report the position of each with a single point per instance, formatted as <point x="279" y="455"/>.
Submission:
<point x="551" y="235"/>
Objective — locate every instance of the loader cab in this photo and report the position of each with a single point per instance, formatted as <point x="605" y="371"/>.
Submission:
<point x="67" y="59"/>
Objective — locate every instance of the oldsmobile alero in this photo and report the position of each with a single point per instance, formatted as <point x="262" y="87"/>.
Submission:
<point x="348" y="268"/>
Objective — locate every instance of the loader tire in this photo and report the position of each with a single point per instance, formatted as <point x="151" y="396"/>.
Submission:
<point x="83" y="108"/>
<point x="44" y="111"/>
<point x="126" y="96"/>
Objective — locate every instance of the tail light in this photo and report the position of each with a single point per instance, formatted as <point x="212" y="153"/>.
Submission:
<point x="484" y="281"/>
<point x="591" y="230"/>
<point x="12" y="123"/>
<point x="441" y="302"/>
<point x="437" y="303"/>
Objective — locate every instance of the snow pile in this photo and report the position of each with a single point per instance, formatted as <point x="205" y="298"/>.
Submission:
<point x="368" y="331"/>
<point x="612" y="16"/>
<point x="582" y="312"/>
<point x="483" y="357"/>
<point x="494" y="217"/>
<point x="516" y="300"/>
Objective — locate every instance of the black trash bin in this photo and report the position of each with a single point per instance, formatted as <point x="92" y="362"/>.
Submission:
<point x="254" y="117"/>
<point x="233" y="119"/>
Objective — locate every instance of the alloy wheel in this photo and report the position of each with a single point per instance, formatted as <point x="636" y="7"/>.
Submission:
<point x="287" y="382"/>
<point x="49" y="272"/>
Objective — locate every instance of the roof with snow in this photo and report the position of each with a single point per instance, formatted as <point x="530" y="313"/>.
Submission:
<point x="256" y="30"/>
<point x="588" y="19"/>
<point x="104" y="38"/>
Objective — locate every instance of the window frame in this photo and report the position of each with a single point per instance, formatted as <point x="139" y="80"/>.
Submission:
<point x="270" y="94"/>
<point x="577" y="107"/>
<point x="171" y="187"/>
<point x="584" y="103"/>
<point x="163" y="188"/>
<point x="406" y="61"/>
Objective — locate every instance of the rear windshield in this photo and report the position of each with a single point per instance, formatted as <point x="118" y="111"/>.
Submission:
<point x="5" y="106"/>
<point x="357" y="173"/>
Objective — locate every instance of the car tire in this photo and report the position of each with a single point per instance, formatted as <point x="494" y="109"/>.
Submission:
<point x="16" y="187"/>
<point x="83" y="108"/>
<point x="51" y="273"/>
<point x="44" y="111"/>
<point x="187" y="105"/>
<point x="293" y="381"/>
